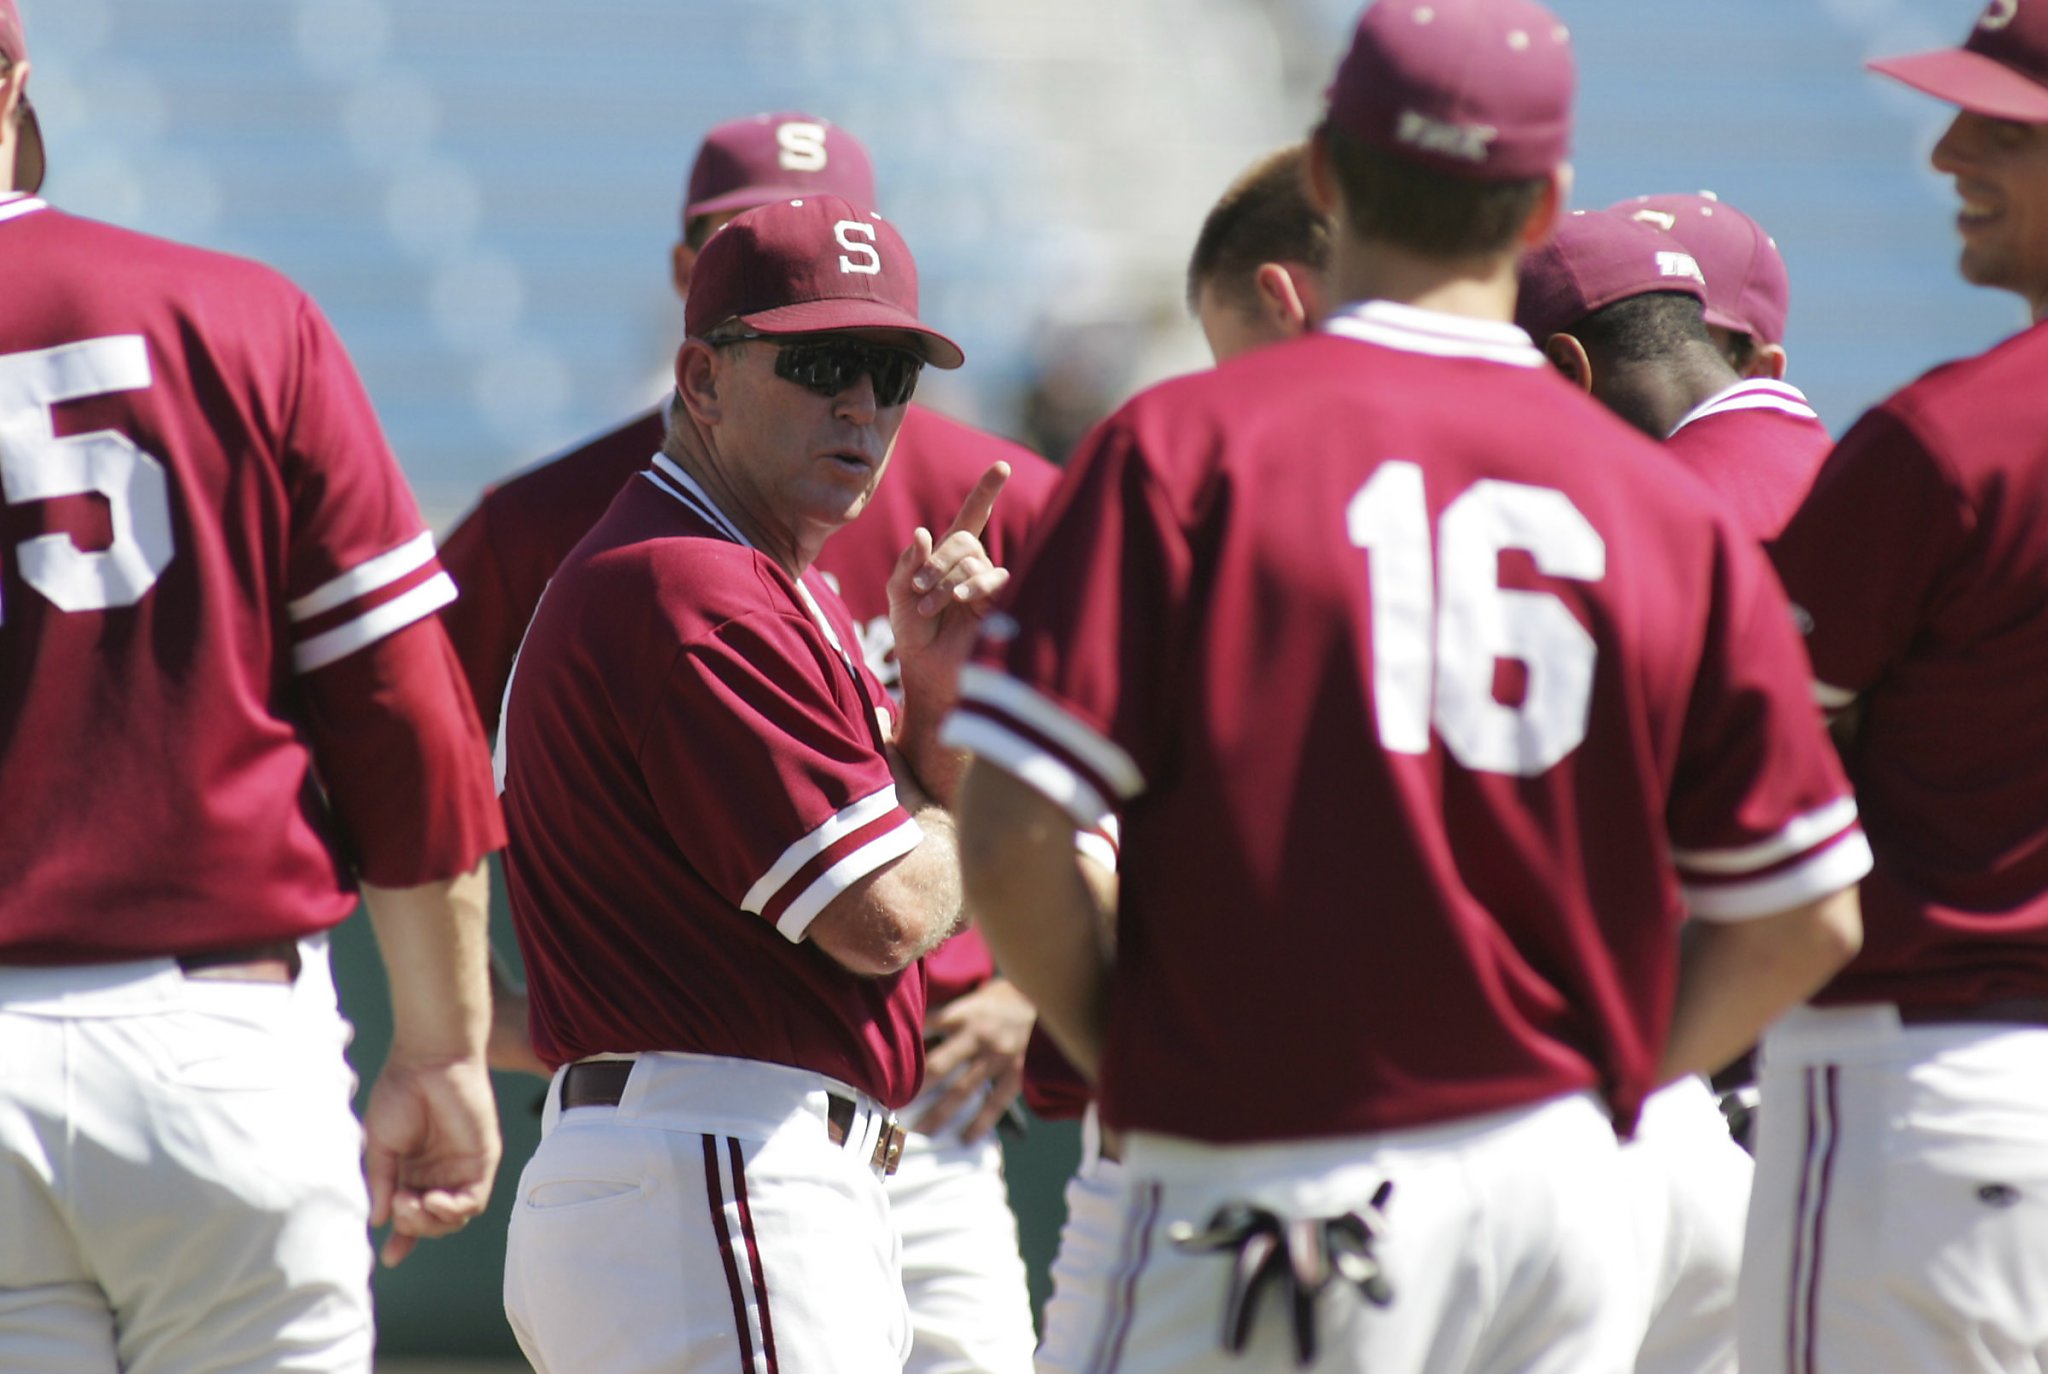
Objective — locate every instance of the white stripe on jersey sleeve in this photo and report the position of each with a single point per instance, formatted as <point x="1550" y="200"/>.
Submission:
<point x="798" y="915"/>
<point x="1012" y="698"/>
<point x="368" y="576"/>
<point x="374" y="624"/>
<point x="1842" y="863"/>
<point x="1800" y="833"/>
<point x="1093" y="844"/>
<point x="1024" y="759"/>
<point x="835" y="828"/>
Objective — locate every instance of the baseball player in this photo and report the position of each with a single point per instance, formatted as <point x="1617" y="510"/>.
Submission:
<point x="225" y="703"/>
<point x="729" y="848"/>
<point x="1431" y="697"/>
<point x="969" y="1296"/>
<point x="1900" y="1218"/>
<point x="1749" y="292"/>
<point x="1618" y="307"/>
<point x="1255" y="276"/>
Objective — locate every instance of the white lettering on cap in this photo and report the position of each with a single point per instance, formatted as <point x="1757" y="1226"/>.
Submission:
<point x="1663" y="219"/>
<point x="1679" y="265"/>
<point x="859" y="257"/>
<point x="1999" y="14"/>
<point x="1467" y="142"/>
<point x="800" y="146"/>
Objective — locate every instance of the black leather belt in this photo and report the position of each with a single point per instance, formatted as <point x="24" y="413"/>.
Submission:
<point x="272" y="961"/>
<point x="2009" y="1011"/>
<point x="602" y="1083"/>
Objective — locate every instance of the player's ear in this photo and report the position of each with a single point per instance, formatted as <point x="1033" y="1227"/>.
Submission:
<point x="697" y="381"/>
<point x="1279" y="298"/>
<point x="682" y="260"/>
<point x="1768" y="363"/>
<point x="1568" y="356"/>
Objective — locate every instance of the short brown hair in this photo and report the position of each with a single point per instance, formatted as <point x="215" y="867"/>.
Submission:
<point x="1424" y="210"/>
<point x="1265" y="216"/>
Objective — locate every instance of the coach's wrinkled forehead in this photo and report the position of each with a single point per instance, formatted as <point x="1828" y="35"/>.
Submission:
<point x="1477" y="88"/>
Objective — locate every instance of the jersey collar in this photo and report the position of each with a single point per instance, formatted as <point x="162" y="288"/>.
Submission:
<point x="1411" y="329"/>
<point x="668" y="476"/>
<point x="1752" y="393"/>
<point x="15" y="204"/>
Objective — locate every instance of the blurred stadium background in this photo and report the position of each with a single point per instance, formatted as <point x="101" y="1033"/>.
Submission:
<point x="482" y="194"/>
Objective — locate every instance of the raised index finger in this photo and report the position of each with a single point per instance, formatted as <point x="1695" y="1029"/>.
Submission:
<point x="975" y="510"/>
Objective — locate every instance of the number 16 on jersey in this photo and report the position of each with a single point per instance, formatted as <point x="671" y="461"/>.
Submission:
<point x="1437" y="631"/>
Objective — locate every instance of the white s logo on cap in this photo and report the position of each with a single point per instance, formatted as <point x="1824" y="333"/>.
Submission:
<point x="864" y="258"/>
<point x="802" y="146"/>
<point x="1999" y="14"/>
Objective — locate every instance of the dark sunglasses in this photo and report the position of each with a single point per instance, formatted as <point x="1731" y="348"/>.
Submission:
<point x="829" y="366"/>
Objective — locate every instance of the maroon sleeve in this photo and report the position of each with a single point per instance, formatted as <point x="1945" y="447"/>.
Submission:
<point x="483" y="622"/>
<point x="403" y="760"/>
<point x="1066" y="690"/>
<point x="1864" y="552"/>
<point x="1760" y="816"/>
<point x="765" y="761"/>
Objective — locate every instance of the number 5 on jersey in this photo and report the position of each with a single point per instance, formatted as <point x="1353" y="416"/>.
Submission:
<point x="1438" y="631"/>
<point x="37" y="465"/>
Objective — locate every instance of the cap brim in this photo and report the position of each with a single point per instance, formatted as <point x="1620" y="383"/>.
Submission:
<point x="814" y="317"/>
<point x="29" y="162"/>
<point x="746" y="198"/>
<point x="1975" y="82"/>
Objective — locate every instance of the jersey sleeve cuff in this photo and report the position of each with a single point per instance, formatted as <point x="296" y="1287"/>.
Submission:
<point x="378" y="597"/>
<point x="1041" y="744"/>
<point x="847" y="847"/>
<point x="1837" y="865"/>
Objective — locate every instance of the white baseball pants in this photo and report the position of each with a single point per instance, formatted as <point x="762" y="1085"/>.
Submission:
<point x="1085" y="1267"/>
<point x="970" y="1301"/>
<point x="706" y="1222"/>
<point x="1900" y="1219"/>
<point x="181" y="1184"/>
<point x="1688" y="1184"/>
<point x="1507" y="1243"/>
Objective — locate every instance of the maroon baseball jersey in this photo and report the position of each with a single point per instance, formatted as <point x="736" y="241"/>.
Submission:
<point x="211" y="575"/>
<point x="1759" y="444"/>
<point x="1920" y="561"/>
<point x="1430" y="698"/>
<point x="693" y="768"/>
<point x="505" y="550"/>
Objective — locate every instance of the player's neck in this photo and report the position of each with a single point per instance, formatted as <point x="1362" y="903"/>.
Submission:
<point x="733" y="503"/>
<point x="1481" y="287"/>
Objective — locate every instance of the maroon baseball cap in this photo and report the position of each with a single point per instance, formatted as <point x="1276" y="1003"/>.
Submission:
<point x="2001" y="71"/>
<point x="747" y="162"/>
<point x="1477" y="88"/>
<point x="809" y="264"/>
<point x="1748" y="289"/>
<point x="29" y="163"/>
<point x="1599" y="257"/>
